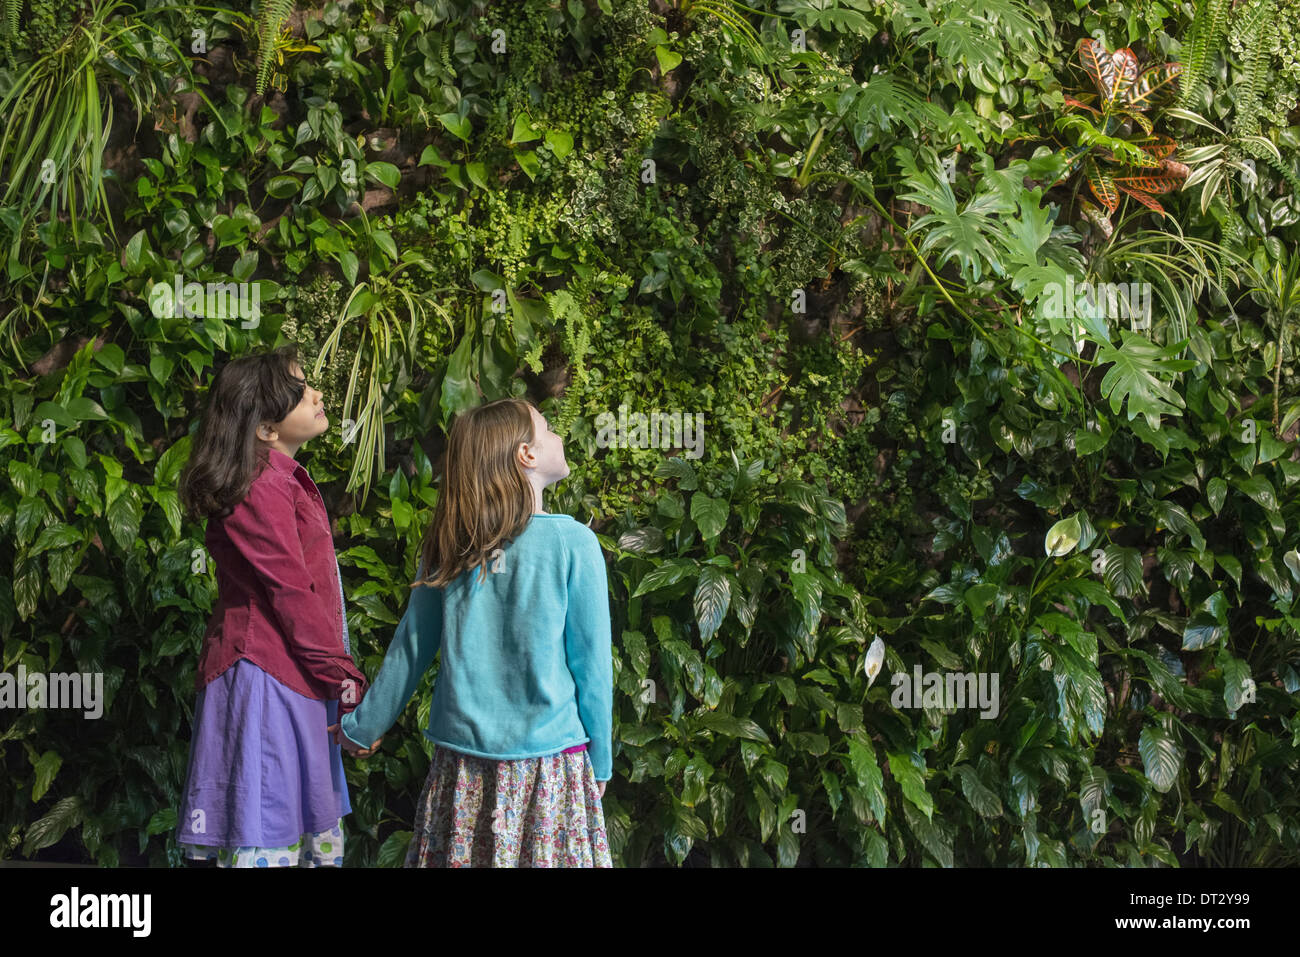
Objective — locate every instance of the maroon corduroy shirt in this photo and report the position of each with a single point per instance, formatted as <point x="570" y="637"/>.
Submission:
<point x="278" y="589"/>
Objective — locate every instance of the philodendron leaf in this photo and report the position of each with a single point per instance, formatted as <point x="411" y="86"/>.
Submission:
<point x="524" y="130"/>
<point x="560" y="142"/>
<point x="1161" y="756"/>
<point x="1238" y="685"/>
<point x="668" y="59"/>
<point x="1138" y="373"/>
<point x="712" y="599"/>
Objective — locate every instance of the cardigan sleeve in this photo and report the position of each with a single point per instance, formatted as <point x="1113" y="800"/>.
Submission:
<point x="418" y="637"/>
<point x="588" y="648"/>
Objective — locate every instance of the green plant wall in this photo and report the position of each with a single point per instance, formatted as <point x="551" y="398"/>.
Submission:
<point x="839" y="233"/>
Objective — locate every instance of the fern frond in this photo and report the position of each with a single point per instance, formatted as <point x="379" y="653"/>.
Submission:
<point x="1204" y="41"/>
<point x="444" y="51"/>
<point x="1255" y="24"/>
<point x="12" y="9"/>
<point x="270" y="21"/>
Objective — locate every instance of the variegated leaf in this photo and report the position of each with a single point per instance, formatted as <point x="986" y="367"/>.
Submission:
<point x="1135" y="158"/>
<point x="1144" y="199"/>
<point x="1165" y="182"/>
<point x="1125" y="68"/>
<point x="1097" y="217"/>
<point x="1176" y="169"/>
<point x="1158" y="145"/>
<point x="1073" y="156"/>
<point x="1099" y="66"/>
<point x="1103" y="187"/>
<point x="1071" y="101"/>
<point x="1141" y="120"/>
<point x="1153" y="84"/>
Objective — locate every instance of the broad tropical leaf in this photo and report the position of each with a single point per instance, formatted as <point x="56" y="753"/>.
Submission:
<point x="1161" y="756"/>
<point x="1103" y="187"/>
<point x="959" y="234"/>
<point x="1125" y="73"/>
<point x="1154" y="84"/>
<point x="1138" y="367"/>
<point x="1099" y="65"/>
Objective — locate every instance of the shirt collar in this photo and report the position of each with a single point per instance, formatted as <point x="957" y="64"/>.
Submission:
<point x="283" y="463"/>
<point x="288" y="465"/>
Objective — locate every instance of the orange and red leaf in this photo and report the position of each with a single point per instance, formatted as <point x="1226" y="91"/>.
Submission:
<point x="1098" y="64"/>
<point x="1071" y="102"/>
<point x="1145" y="200"/>
<point x="1159" y="146"/>
<point x="1103" y="187"/>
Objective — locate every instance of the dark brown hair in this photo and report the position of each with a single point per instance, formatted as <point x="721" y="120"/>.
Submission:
<point x="486" y="500"/>
<point x="227" y="455"/>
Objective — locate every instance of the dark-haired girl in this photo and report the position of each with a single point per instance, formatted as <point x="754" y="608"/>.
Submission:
<point x="265" y="786"/>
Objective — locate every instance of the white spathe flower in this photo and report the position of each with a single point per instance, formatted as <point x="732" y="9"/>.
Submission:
<point x="875" y="657"/>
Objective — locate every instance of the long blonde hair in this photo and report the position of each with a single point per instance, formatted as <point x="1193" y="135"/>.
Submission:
<point x="486" y="500"/>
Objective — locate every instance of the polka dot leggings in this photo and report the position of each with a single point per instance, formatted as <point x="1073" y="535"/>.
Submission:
<point x="321" y="849"/>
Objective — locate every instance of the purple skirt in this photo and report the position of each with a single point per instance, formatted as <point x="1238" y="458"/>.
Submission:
<point x="263" y="770"/>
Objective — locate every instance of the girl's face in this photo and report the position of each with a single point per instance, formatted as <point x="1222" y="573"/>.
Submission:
<point x="547" y="452"/>
<point x="306" y="421"/>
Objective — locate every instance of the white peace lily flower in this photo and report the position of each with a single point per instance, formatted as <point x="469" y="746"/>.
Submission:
<point x="874" y="659"/>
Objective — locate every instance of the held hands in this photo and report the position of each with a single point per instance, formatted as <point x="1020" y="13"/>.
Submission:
<point x="350" y="746"/>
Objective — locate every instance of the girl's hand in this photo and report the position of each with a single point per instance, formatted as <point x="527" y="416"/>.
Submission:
<point x="350" y="746"/>
<point x="602" y="789"/>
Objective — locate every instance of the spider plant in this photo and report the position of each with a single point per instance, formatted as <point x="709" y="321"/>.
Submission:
<point x="383" y="356"/>
<point x="59" y="113"/>
<point x="1275" y="286"/>
<point x="1182" y="270"/>
<point x="58" y="116"/>
<point x="1217" y="161"/>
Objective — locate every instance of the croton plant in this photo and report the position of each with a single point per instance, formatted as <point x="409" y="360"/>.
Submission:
<point x="1116" y="144"/>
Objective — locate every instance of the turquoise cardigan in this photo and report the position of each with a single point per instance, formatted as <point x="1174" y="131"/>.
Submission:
<point x="527" y="664"/>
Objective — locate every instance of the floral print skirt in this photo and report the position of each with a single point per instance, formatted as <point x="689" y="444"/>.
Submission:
<point x="532" y="812"/>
